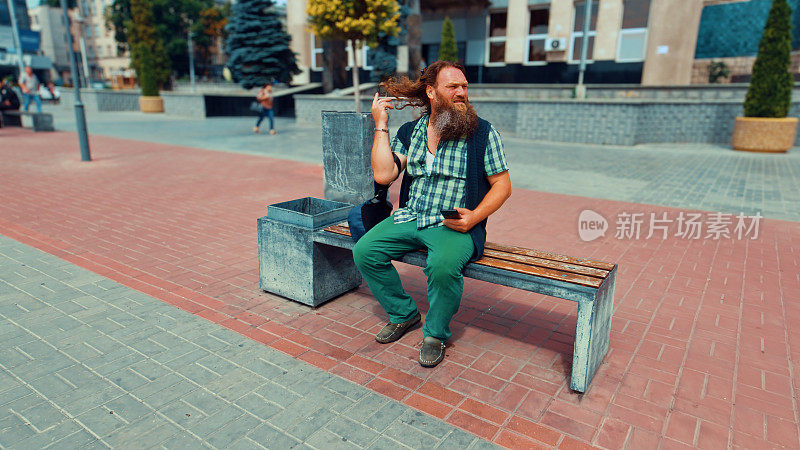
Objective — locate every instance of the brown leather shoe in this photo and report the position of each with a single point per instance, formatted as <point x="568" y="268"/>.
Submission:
<point x="432" y="352"/>
<point x="394" y="331"/>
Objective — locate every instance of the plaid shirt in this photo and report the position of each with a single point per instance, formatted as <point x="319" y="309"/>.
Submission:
<point x="445" y="187"/>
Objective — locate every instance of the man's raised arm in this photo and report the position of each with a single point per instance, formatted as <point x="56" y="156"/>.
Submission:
<point x="383" y="166"/>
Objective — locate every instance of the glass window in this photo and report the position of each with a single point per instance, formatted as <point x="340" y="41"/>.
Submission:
<point x="633" y="35"/>
<point x="362" y="59"/>
<point x="580" y="14"/>
<point x="316" y="53"/>
<point x="577" y="31"/>
<point x="496" y="42"/>
<point x="635" y="13"/>
<point x="540" y="18"/>
<point x="537" y="34"/>
<point x="497" y="24"/>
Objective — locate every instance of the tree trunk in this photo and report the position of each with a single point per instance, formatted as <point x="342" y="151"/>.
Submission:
<point x="334" y="72"/>
<point x="414" y="39"/>
<point x="355" y="47"/>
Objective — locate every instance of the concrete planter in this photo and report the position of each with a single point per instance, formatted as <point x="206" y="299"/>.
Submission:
<point x="291" y="264"/>
<point x="151" y="104"/>
<point x="763" y="134"/>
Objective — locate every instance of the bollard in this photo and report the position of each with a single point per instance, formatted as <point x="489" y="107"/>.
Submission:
<point x="346" y="145"/>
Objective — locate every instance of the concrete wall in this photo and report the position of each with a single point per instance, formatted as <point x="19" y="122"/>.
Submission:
<point x="184" y="104"/>
<point x="95" y="100"/>
<point x="599" y="121"/>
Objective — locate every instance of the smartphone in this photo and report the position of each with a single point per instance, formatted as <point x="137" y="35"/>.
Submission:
<point x="451" y="214"/>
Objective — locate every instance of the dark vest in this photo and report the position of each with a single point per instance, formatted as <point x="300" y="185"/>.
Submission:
<point x="477" y="184"/>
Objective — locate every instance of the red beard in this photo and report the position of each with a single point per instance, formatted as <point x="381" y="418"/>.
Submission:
<point x="451" y="121"/>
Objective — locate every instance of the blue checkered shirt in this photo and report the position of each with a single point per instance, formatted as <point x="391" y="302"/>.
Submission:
<point x="445" y="186"/>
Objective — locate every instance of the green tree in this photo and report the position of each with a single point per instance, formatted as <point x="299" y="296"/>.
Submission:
<point x="148" y="56"/>
<point x="170" y="17"/>
<point x="258" y="46"/>
<point x="359" y="21"/>
<point x="770" y="91"/>
<point x="448" y="50"/>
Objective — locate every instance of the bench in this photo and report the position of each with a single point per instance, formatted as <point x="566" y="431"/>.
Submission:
<point x="590" y="283"/>
<point x="37" y="121"/>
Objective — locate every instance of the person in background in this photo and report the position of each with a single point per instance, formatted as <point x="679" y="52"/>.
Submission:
<point x="8" y="99"/>
<point x="264" y="97"/>
<point x="29" y="84"/>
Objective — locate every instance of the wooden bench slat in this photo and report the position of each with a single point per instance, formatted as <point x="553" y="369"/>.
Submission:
<point x="550" y="256"/>
<point x="515" y="266"/>
<point x="547" y="263"/>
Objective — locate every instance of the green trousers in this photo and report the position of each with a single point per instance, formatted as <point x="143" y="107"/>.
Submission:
<point x="448" y="253"/>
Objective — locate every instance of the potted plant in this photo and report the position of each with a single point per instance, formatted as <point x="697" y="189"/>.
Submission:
<point x="149" y="101"/>
<point x="765" y="127"/>
<point x="148" y="56"/>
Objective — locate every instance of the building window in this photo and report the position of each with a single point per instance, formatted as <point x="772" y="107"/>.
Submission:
<point x="633" y="35"/>
<point x="577" y="31"/>
<point x="537" y="34"/>
<point x="496" y="42"/>
<point x="316" y="53"/>
<point x="362" y="57"/>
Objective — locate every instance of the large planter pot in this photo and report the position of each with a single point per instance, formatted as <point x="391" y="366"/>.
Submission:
<point x="763" y="134"/>
<point x="151" y="104"/>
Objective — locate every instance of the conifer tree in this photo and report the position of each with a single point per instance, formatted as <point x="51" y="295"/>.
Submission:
<point x="258" y="46"/>
<point x="448" y="50"/>
<point x="770" y="91"/>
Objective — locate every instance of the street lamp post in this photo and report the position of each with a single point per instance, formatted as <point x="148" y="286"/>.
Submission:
<point x="15" y="31"/>
<point x="191" y="56"/>
<point x="80" y="117"/>
<point x="580" y="89"/>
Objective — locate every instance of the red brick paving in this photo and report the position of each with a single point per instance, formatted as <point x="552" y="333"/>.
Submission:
<point x="704" y="346"/>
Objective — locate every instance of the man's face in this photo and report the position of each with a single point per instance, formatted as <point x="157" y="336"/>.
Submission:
<point x="451" y="113"/>
<point x="29" y="71"/>
<point x="451" y="89"/>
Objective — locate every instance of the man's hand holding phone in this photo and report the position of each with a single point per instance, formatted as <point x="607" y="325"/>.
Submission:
<point x="459" y="219"/>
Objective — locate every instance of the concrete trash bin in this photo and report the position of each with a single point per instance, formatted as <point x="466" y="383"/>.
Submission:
<point x="291" y="264"/>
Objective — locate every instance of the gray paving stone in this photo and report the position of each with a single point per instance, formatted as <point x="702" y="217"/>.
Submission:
<point x="42" y="440"/>
<point x="80" y="439"/>
<point x="13" y="429"/>
<point x="425" y="423"/>
<point x="217" y="420"/>
<point x="84" y="399"/>
<point x="244" y="444"/>
<point x="100" y="421"/>
<point x="385" y="443"/>
<point x="127" y="407"/>
<point x="410" y="436"/>
<point x="179" y="396"/>
<point x="352" y="431"/>
<point x="272" y="438"/>
<point x="50" y="385"/>
<point x="324" y="438"/>
<point x="183" y="440"/>
<point x="204" y="401"/>
<point x="198" y="374"/>
<point x="258" y="406"/>
<point x="457" y="439"/>
<point x="233" y="431"/>
<point x="384" y="416"/>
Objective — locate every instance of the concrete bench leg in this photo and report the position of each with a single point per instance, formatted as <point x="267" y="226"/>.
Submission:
<point x="592" y="333"/>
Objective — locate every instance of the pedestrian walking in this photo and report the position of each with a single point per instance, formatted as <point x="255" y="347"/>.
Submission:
<point x="29" y="83"/>
<point x="264" y="98"/>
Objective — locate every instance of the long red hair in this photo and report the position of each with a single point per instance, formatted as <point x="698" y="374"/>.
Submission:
<point x="413" y="93"/>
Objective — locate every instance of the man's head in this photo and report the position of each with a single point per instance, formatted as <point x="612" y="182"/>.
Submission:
<point x="268" y="86"/>
<point x="440" y="91"/>
<point x="29" y="70"/>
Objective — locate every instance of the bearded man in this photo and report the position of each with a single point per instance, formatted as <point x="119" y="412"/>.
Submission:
<point x="453" y="160"/>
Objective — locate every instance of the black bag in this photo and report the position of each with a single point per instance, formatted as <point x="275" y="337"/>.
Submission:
<point x="370" y="213"/>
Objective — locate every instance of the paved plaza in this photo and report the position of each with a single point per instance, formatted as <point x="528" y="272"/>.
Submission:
<point x="129" y="301"/>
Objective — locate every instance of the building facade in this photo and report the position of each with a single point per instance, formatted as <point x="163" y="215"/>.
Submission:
<point x="652" y="42"/>
<point x="50" y="24"/>
<point x="30" y="40"/>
